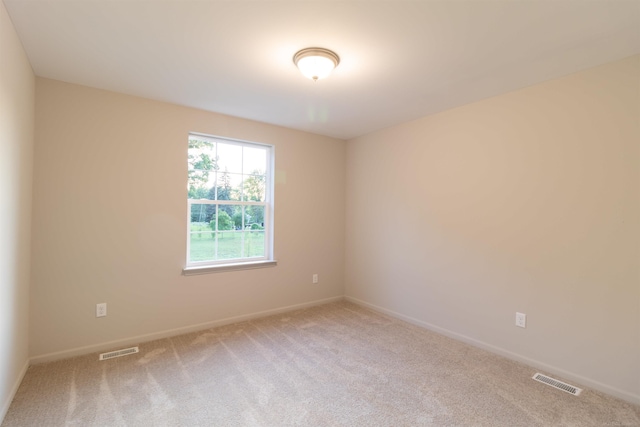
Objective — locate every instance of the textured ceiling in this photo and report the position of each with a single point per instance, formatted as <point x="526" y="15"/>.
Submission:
<point x="400" y="60"/>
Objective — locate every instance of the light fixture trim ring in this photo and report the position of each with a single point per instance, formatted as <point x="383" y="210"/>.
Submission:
<point x="316" y="51"/>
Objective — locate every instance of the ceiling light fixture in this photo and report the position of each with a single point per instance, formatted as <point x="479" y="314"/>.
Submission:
<point x="315" y="62"/>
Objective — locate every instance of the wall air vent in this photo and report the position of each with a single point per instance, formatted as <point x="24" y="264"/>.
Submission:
<point x="118" y="353"/>
<point x="557" y="384"/>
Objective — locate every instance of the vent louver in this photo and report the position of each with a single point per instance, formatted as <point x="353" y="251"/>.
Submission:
<point x="118" y="353"/>
<point x="568" y="388"/>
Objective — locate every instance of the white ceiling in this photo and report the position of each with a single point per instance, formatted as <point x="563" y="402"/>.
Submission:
<point x="400" y="60"/>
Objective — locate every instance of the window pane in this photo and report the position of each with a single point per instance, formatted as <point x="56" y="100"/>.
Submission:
<point x="224" y="219"/>
<point x="202" y="164"/>
<point x="254" y="161"/>
<point x="202" y="246"/>
<point x="254" y="217"/>
<point x="237" y="213"/>
<point x="254" y="243"/>
<point x="229" y="244"/>
<point x="229" y="186"/>
<point x="201" y="215"/>
<point x="230" y="158"/>
<point x="253" y="188"/>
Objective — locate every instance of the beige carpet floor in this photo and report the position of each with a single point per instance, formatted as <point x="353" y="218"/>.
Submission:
<point x="333" y="365"/>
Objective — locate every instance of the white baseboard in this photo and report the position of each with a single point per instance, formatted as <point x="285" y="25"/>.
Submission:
<point x="5" y="405"/>
<point x="78" y="351"/>
<point x="596" y="385"/>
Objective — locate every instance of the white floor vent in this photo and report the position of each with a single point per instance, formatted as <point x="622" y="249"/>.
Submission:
<point x="118" y="353"/>
<point x="557" y="384"/>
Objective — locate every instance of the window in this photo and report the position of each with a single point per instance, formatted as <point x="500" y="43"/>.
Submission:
<point x="230" y="202"/>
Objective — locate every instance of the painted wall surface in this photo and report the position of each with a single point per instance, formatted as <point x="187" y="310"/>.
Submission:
<point x="17" y="103"/>
<point x="110" y="216"/>
<point x="529" y="202"/>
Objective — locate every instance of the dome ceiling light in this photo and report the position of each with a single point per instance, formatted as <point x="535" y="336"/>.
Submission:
<point x="315" y="62"/>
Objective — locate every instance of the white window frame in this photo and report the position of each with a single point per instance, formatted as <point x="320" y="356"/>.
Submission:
<point x="208" y="266"/>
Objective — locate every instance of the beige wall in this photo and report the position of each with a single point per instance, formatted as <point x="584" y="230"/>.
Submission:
<point x="109" y="220"/>
<point x="17" y="99"/>
<point x="529" y="202"/>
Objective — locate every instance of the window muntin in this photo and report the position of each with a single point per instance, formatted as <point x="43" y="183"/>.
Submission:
<point x="229" y="201"/>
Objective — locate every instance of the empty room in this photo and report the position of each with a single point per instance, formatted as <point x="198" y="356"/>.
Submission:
<point x="319" y="213"/>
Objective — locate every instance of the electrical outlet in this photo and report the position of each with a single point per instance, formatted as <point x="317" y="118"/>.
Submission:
<point x="101" y="309"/>
<point x="521" y="320"/>
<point x="315" y="278"/>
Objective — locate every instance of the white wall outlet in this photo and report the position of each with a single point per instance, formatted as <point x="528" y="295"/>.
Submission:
<point x="315" y="278"/>
<point x="101" y="309"/>
<point x="521" y="320"/>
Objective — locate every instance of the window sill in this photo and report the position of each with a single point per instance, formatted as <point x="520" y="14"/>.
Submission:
<point x="191" y="271"/>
